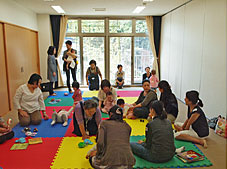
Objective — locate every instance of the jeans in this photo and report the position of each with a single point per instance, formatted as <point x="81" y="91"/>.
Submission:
<point x="141" y="151"/>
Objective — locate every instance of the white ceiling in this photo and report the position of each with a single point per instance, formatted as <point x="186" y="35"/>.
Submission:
<point x="113" y="7"/>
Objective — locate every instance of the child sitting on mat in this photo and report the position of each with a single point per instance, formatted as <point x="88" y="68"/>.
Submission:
<point x="109" y="102"/>
<point x="121" y="103"/>
<point x="5" y="131"/>
<point x="195" y="128"/>
<point x="77" y="96"/>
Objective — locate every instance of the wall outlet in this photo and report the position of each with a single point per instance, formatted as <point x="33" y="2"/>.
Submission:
<point x="22" y="69"/>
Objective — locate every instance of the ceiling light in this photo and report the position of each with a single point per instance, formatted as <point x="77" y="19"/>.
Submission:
<point x="58" y="9"/>
<point x="48" y="0"/>
<point x="99" y="9"/>
<point x="138" y="9"/>
<point x="148" y="0"/>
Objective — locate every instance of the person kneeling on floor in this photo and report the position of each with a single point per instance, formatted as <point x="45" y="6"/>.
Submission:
<point x="86" y="118"/>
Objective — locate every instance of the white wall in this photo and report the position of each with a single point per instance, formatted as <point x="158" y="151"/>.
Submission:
<point x="193" y="52"/>
<point x="44" y="42"/>
<point x="14" y="13"/>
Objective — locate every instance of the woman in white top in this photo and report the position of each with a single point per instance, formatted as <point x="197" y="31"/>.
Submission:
<point x="28" y="100"/>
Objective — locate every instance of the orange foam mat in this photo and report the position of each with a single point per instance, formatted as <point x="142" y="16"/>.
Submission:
<point x="69" y="155"/>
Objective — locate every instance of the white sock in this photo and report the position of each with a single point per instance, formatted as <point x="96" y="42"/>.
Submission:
<point x="179" y="150"/>
<point x="53" y="122"/>
<point x="65" y="123"/>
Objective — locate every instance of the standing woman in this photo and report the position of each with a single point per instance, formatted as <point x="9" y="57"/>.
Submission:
<point x="169" y="100"/>
<point x="51" y="69"/>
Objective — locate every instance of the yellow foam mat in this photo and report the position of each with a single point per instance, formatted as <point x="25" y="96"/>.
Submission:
<point x="138" y="127"/>
<point x="69" y="155"/>
<point x="129" y="100"/>
<point x="90" y="93"/>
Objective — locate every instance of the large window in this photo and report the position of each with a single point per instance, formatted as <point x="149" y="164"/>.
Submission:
<point x="110" y="41"/>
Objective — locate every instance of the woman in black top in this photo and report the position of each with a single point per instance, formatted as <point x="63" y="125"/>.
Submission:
<point x="159" y="145"/>
<point x="147" y="75"/>
<point x="196" y="119"/>
<point x="169" y="100"/>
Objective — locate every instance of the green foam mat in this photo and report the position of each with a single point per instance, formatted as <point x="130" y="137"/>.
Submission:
<point x="64" y="102"/>
<point x="104" y="115"/>
<point x="175" y="162"/>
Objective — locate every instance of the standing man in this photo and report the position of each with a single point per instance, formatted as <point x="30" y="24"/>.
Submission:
<point x="69" y="53"/>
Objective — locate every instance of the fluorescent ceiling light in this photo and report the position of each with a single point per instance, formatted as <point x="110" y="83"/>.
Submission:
<point x="148" y="0"/>
<point x="138" y="9"/>
<point x="58" y="9"/>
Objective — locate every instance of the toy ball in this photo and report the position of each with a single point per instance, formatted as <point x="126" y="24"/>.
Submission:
<point x="26" y="129"/>
<point x="35" y="130"/>
<point x="81" y="145"/>
<point x="52" y="100"/>
<point x="66" y="94"/>
<point x="58" y="100"/>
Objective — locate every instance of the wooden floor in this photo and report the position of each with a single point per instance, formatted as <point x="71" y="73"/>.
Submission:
<point x="216" y="151"/>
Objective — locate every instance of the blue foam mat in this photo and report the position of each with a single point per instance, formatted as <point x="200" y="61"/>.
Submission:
<point x="44" y="129"/>
<point x="61" y="94"/>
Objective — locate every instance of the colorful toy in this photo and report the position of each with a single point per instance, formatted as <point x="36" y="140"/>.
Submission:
<point x="29" y="133"/>
<point x="66" y="94"/>
<point x="81" y="145"/>
<point x="20" y="140"/>
<point x="26" y="129"/>
<point x="35" y="130"/>
<point x="52" y="100"/>
<point x="9" y="121"/>
<point x="88" y="142"/>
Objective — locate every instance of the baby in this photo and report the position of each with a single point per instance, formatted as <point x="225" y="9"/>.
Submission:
<point x="121" y="103"/>
<point x="108" y="102"/>
<point x="61" y="116"/>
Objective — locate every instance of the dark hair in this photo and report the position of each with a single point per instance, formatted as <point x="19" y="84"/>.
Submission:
<point x="105" y="83"/>
<point x="193" y="96"/>
<point x="117" y="113"/>
<point x="147" y="67"/>
<point x="50" y="50"/>
<point x="165" y="86"/>
<point x="118" y="66"/>
<point x="92" y="62"/>
<point x="109" y="93"/>
<point x="69" y="42"/>
<point x="145" y="81"/>
<point x="88" y="104"/>
<point x="34" y="78"/>
<point x="120" y="101"/>
<point x="159" y="109"/>
<point x="153" y="72"/>
<point x="76" y="84"/>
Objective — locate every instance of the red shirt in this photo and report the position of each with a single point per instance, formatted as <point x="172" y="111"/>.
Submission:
<point x="77" y="95"/>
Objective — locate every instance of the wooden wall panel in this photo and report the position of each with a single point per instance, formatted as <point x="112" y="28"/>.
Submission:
<point x="22" y="56"/>
<point x="4" y="100"/>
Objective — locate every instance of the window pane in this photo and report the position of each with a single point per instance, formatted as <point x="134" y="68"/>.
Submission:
<point x="120" y="53"/>
<point x="93" y="48"/>
<point x="143" y="57"/>
<point x="92" y="26"/>
<point x="72" y="26"/>
<point x="120" y="26"/>
<point x="76" y="46"/>
<point x="141" y="26"/>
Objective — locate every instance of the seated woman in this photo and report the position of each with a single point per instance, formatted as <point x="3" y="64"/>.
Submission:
<point x="196" y="126"/>
<point x="5" y="132"/>
<point x="147" y="75"/>
<point x="105" y="88"/>
<point x="28" y="100"/>
<point x="120" y="77"/>
<point x="92" y="77"/>
<point x="113" y="147"/>
<point x="86" y="118"/>
<point x="169" y="100"/>
<point x="159" y="145"/>
<point x="140" y="108"/>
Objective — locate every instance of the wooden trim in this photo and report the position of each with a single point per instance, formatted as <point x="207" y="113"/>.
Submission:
<point x="38" y="58"/>
<point x="18" y="26"/>
<point x="6" y="64"/>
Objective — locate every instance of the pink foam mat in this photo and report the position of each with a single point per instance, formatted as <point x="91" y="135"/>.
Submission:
<point x="128" y="93"/>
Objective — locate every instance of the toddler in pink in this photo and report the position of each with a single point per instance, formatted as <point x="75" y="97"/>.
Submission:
<point x="108" y="102"/>
<point x="154" y="80"/>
